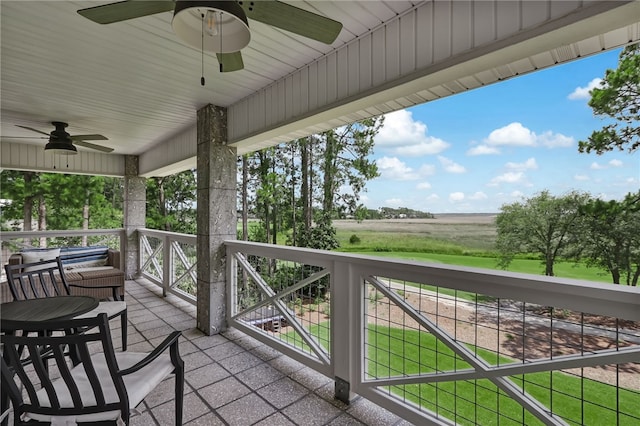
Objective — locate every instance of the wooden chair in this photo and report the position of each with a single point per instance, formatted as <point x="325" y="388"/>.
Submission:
<point x="47" y="279"/>
<point x="102" y="387"/>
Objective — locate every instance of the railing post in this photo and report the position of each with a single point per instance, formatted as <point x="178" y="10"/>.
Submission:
<point x="167" y="266"/>
<point x="232" y="283"/>
<point x="123" y="258"/>
<point x="344" y="326"/>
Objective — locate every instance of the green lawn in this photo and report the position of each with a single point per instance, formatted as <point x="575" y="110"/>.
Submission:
<point x="529" y="266"/>
<point x="394" y="351"/>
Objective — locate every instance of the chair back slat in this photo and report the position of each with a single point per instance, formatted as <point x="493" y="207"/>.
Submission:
<point x="35" y="349"/>
<point x="65" y="373"/>
<point x="51" y="385"/>
<point x="37" y="280"/>
<point x="90" y="370"/>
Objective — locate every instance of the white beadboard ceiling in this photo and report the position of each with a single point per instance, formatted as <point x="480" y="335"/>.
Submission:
<point x="139" y="85"/>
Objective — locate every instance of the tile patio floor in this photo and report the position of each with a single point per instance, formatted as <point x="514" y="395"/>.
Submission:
<point x="231" y="378"/>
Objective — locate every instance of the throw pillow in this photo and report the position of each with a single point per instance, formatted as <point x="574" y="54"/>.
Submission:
<point x="39" y="255"/>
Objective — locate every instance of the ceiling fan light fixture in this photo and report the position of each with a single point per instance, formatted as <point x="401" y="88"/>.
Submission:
<point x="226" y="28"/>
<point x="60" y="148"/>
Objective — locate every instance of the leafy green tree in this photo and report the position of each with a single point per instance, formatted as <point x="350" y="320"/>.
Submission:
<point x="544" y="225"/>
<point x="345" y="163"/>
<point x="171" y="202"/>
<point x="618" y="98"/>
<point x="611" y="237"/>
<point x="57" y="201"/>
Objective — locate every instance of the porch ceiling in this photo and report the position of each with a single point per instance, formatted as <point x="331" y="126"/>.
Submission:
<point x="139" y="85"/>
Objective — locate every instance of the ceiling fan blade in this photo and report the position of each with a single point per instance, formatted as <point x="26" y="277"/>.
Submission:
<point x="123" y="10"/>
<point x="33" y="130"/>
<point x="24" y="137"/>
<point x="230" y="61"/>
<point x="92" y="146"/>
<point x="88" y="138"/>
<point x="293" y="19"/>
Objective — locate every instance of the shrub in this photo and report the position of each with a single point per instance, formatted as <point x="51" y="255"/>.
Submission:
<point x="354" y="239"/>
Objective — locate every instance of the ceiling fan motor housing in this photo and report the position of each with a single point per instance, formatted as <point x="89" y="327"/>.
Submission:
<point x="232" y="27"/>
<point x="60" y="141"/>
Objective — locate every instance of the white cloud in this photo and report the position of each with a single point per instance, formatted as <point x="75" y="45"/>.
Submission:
<point x="581" y="177"/>
<point x="451" y="166"/>
<point x="405" y="136"/>
<point x="479" y="195"/>
<point x="612" y="163"/>
<point x="515" y="134"/>
<point x="483" y="150"/>
<point x="530" y="164"/>
<point x="509" y="177"/>
<point x="555" y="140"/>
<point x="433" y="197"/>
<point x="394" y="169"/>
<point x="423" y="185"/>
<point x="455" y="197"/>
<point x="516" y="194"/>
<point x="583" y="92"/>
<point x="427" y="170"/>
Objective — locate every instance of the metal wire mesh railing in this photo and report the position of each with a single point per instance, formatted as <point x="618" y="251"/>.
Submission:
<point x="446" y="345"/>
<point x="464" y="352"/>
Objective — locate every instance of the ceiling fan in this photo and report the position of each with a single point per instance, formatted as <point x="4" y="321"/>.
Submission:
<point x="61" y="142"/>
<point x="221" y="26"/>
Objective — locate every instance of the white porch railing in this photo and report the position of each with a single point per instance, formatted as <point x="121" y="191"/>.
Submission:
<point x="435" y="344"/>
<point x="444" y="345"/>
<point x="169" y="260"/>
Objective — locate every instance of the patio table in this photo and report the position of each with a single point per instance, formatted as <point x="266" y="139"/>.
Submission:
<point x="12" y="314"/>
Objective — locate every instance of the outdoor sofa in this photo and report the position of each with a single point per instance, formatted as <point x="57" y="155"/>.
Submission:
<point x="86" y="266"/>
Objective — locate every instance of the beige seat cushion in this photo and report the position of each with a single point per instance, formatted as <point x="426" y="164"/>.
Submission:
<point x="138" y="384"/>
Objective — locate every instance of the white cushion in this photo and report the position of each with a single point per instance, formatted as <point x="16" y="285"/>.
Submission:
<point x="91" y="269"/>
<point x="37" y="255"/>
<point x="138" y="384"/>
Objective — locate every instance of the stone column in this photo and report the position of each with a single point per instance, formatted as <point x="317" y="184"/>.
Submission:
<point x="135" y="210"/>
<point x="216" y="216"/>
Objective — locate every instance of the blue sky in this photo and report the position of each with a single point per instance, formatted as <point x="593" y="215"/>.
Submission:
<point x="475" y="151"/>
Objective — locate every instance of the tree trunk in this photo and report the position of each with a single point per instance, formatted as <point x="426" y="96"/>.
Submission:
<point x="615" y="275"/>
<point x="293" y="195"/>
<point x="85" y="219"/>
<point x="245" y="203"/>
<point x="636" y="276"/>
<point x="549" y="267"/>
<point x="305" y="188"/>
<point x="163" y="204"/>
<point x="42" y="220"/>
<point x="27" y="217"/>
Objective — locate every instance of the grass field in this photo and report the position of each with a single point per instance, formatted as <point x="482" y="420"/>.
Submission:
<point x="464" y="240"/>
<point x="396" y="351"/>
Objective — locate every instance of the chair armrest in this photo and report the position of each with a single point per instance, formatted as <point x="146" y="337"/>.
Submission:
<point x="95" y="286"/>
<point x="113" y="258"/>
<point x="114" y="289"/>
<point x="171" y="341"/>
